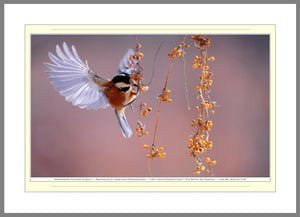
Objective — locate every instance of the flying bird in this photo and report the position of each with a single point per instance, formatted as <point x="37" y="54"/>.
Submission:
<point x="74" y="80"/>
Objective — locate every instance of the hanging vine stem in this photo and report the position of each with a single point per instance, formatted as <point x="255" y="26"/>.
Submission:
<point x="164" y="93"/>
<point x="154" y="61"/>
<point x="164" y="97"/>
<point x="199" y="142"/>
<point x="185" y="84"/>
<point x="160" y="101"/>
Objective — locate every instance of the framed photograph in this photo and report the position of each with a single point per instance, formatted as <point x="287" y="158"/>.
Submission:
<point x="166" y="108"/>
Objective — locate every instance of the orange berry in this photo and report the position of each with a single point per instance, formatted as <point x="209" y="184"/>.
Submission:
<point x="212" y="111"/>
<point x="212" y="162"/>
<point x="139" y="46"/>
<point x="146" y="133"/>
<point x="202" y="168"/>
<point x="145" y="147"/>
<point x="131" y="58"/>
<point x="195" y="66"/>
<point x="163" y="155"/>
<point x="168" y="91"/>
<point x="212" y="59"/>
<point x="138" y="130"/>
<point x="149" y="109"/>
<point x="206" y="67"/>
<point x="197" y="108"/>
<point x="190" y="140"/>
<point x="144" y="104"/>
<point x="210" y="74"/>
<point x="160" y="149"/>
<point x="197" y="171"/>
<point x="143" y="89"/>
<point x="141" y="55"/>
<point x="169" y="100"/>
<point x="144" y="113"/>
<point x="140" y="135"/>
<point x="130" y="65"/>
<point x="207" y="159"/>
<point x="207" y="171"/>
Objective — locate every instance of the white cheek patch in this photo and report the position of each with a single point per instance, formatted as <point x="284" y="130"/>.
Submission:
<point x="121" y="85"/>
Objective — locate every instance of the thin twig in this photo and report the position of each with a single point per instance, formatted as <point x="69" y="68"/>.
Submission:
<point x="185" y="83"/>
<point x="149" y="168"/>
<point x="155" y="61"/>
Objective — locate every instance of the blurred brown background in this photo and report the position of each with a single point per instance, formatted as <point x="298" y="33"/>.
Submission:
<point x="68" y="141"/>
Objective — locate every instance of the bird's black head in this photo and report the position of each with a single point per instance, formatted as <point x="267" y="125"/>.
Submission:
<point x="122" y="82"/>
<point x="121" y="78"/>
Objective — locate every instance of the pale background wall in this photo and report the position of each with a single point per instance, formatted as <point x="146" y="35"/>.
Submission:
<point x="68" y="141"/>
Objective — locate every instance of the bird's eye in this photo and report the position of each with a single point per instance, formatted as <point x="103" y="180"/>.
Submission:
<point x="124" y="89"/>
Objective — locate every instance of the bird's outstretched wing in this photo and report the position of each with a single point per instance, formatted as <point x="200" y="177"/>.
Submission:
<point x="125" y="66"/>
<point x="73" y="79"/>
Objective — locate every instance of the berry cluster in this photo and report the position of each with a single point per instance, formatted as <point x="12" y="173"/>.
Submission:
<point x="178" y="51"/>
<point x="201" y="124"/>
<point x="136" y="57"/>
<point x="199" y="143"/>
<point x="200" y="41"/>
<point x="145" y="110"/>
<point x="164" y="97"/>
<point x="155" y="152"/>
<point x="201" y="167"/>
<point x="205" y="77"/>
<point x="140" y="129"/>
<point x="137" y="77"/>
<point x="136" y="73"/>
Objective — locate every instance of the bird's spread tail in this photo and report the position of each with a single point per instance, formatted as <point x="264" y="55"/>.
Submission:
<point x="125" y="128"/>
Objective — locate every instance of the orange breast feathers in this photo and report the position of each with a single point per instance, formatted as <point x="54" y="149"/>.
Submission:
<point x="115" y="97"/>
